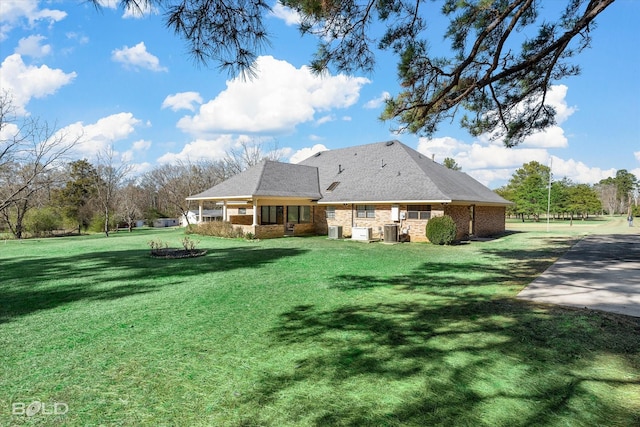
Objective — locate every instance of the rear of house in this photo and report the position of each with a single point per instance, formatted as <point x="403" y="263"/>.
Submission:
<point x="362" y="191"/>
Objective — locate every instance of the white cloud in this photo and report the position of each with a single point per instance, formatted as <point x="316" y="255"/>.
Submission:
<point x="377" y="102"/>
<point x="275" y="101"/>
<point x="133" y="10"/>
<point x="288" y="15"/>
<point x="325" y="119"/>
<point x="8" y="131"/>
<point x="305" y="153"/>
<point x="141" y="145"/>
<point x="24" y="82"/>
<point x="313" y="137"/>
<point x="201" y="149"/>
<point x="578" y="172"/>
<point x="32" y="46"/>
<point x="137" y="57"/>
<point x="637" y="155"/>
<point x="182" y="100"/>
<point x="490" y="162"/>
<point x="137" y="147"/>
<point x="552" y="137"/>
<point x="16" y="12"/>
<point x="556" y="98"/>
<point x="100" y="135"/>
<point x="80" y="38"/>
<point x="493" y="164"/>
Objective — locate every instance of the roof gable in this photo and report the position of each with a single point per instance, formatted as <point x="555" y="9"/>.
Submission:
<point x="268" y="179"/>
<point x="392" y="171"/>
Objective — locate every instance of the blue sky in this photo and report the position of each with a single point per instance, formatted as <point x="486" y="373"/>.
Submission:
<point x="125" y="81"/>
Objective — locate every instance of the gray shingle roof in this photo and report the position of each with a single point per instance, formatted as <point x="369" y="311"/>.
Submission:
<point x="268" y="179"/>
<point x="380" y="172"/>
<point x="393" y="172"/>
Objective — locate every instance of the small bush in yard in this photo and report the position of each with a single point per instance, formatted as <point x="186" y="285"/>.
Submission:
<point x="441" y="230"/>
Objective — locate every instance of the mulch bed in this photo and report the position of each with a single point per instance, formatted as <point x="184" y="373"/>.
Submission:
<point x="171" y="253"/>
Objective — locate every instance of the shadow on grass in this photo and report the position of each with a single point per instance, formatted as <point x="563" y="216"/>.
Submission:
<point x="33" y="284"/>
<point x="446" y="349"/>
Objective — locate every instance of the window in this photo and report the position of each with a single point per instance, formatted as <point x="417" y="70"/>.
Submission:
<point x="242" y="211"/>
<point x="419" y="212"/>
<point x="365" y="211"/>
<point x="271" y="215"/>
<point x="331" y="212"/>
<point x="299" y="214"/>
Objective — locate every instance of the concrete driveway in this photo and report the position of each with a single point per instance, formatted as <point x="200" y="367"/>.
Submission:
<point x="601" y="272"/>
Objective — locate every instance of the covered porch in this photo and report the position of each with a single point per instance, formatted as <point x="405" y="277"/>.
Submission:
<point x="265" y="217"/>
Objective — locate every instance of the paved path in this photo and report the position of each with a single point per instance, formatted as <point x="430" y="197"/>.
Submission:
<point x="601" y="272"/>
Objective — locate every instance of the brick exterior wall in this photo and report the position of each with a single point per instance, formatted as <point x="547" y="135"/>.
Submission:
<point x="462" y="217"/>
<point x="241" y="219"/>
<point x="490" y="220"/>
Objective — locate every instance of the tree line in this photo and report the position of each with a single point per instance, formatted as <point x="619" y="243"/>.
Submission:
<point x="533" y="191"/>
<point x="42" y="189"/>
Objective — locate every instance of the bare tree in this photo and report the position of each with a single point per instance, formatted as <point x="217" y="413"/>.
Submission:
<point x="176" y="182"/>
<point x="608" y="194"/>
<point x="30" y="150"/>
<point x="111" y="174"/>
<point x="247" y="154"/>
<point x="128" y="206"/>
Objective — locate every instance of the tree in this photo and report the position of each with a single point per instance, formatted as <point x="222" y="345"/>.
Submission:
<point x="247" y="154"/>
<point x="450" y="163"/>
<point x="529" y="189"/>
<point x="583" y="200"/>
<point x="175" y="182"/>
<point x="111" y="173"/>
<point x="608" y="194"/>
<point x="31" y="151"/>
<point x="78" y="192"/>
<point x="617" y="193"/>
<point x="128" y="204"/>
<point x="626" y="184"/>
<point x="501" y="86"/>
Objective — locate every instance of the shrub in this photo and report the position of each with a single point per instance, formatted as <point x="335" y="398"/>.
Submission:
<point x="219" y="229"/>
<point x="97" y="223"/>
<point x="441" y="230"/>
<point x="43" y="221"/>
<point x="189" y="244"/>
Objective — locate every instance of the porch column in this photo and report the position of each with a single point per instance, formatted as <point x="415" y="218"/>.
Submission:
<point x="224" y="210"/>
<point x="255" y="212"/>
<point x="199" y="211"/>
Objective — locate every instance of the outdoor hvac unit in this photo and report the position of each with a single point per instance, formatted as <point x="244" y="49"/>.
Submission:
<point x="391" y="233"/>
<point x="361" y="233"/>
<point x="335" y="232"/>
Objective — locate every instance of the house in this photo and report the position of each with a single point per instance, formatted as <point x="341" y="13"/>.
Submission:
<point x="367" y="191"/>
<point x="206" y="216"/>
<point x="165" y="222"/>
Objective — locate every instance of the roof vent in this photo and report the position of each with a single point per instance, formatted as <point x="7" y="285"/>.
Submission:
<point x="317" y="154"/>
<point x="389" y="143"/>
<point x="333" y="186"/>
<point x="340" y="169"/>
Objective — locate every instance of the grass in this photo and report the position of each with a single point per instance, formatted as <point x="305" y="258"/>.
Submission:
<point x="305" y="332"/>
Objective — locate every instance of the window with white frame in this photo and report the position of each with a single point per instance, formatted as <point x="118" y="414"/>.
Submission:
<point x="365" y="211"/>
<point x="331" y="212"/>
<point x="419" y="212"/>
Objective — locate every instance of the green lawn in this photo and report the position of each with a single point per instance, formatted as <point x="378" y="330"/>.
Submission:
<point x="304" y="332"/>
